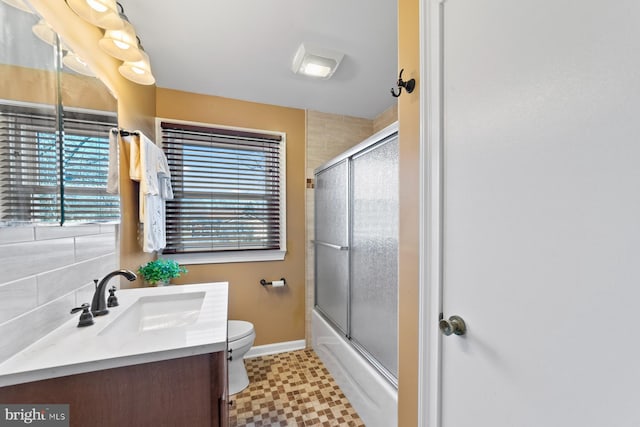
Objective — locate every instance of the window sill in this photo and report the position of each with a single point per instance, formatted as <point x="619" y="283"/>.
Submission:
<point x="227" y="257"/>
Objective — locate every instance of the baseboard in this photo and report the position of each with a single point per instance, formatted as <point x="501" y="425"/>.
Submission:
<point x="275" y="348"/>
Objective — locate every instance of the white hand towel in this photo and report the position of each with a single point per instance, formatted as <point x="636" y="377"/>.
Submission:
<point x="155" y="188"/>
<point x="113" y="184"/>
<point x="154" y="234"/>
<point x="151" y="162"/>
<point x="166" y="191"/>
<point x="164" y="176"/>
<point x="135" y="169"/>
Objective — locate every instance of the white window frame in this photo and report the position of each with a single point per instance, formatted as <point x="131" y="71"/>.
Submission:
<point x="238" y="256"/>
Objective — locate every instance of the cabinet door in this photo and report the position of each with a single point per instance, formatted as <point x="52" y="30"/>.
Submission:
<point x="220" y="389"/>
<point x="174" y="392"/>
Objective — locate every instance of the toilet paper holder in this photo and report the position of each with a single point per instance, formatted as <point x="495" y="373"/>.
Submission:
<point x="265" y="283"/>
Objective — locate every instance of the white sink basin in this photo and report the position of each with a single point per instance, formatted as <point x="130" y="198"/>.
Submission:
<point x="149" y="325"/>
<point x="150" y="313"/>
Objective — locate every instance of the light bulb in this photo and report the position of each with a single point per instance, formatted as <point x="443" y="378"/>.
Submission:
<point x="97" y="6"/>
<point x="44" y="32"/>
<point x="101" y="13"/>
<point x="138" y="71"/>
<point x="77" y="64"/>
<point x="121" y="45"/>
<point x="316" y="70"/>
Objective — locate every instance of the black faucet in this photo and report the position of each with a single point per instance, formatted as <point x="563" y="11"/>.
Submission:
<point x="98" y="305"/>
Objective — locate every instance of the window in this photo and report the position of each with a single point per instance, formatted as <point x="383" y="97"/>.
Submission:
<point x="45" y="181"/>
<point x="228" y="187"/>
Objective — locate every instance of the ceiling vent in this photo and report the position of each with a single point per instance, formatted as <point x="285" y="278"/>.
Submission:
<point x="315" y="62"/>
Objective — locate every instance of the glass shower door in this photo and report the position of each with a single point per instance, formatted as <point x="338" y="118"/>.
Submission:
<point x="331" y="243"/>
<point x="374" y="253"/>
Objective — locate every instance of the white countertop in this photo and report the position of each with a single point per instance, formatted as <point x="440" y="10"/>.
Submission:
<point x="71" y="350"/>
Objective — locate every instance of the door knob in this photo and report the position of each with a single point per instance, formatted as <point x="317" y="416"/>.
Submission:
<point x="455" y="325"/>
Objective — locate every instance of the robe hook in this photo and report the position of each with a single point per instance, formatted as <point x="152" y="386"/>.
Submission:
<point x="408" y="85"/>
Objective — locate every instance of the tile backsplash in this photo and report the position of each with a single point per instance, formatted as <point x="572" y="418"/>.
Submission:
<point x="48" y="271"/>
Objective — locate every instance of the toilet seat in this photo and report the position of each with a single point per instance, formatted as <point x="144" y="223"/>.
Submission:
<point x="238" y="329"/>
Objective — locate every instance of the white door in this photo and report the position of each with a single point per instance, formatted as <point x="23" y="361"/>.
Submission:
<point x="541" y="213"/>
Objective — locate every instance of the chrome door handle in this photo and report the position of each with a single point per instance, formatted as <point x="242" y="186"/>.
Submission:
<point x="330" y="245"/>
<point x="455" y="325"/>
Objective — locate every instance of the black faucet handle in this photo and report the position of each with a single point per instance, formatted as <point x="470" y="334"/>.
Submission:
<point x="86" y="318"/>
<point x="84" y="306"/>
<point x="112" y="301"/>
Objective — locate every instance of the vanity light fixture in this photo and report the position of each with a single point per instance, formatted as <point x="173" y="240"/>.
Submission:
<point x="75" y="63"/>
<point x="19" y="4"/>
<point x="138" y="71"/>
<point x="101" y="13"/>
<point x="119" y="40"/>
<point x="70" y="60"/>
<point x="316" y="62"/>
<point x="44" y="32"/>
<point x="122" y="43"/>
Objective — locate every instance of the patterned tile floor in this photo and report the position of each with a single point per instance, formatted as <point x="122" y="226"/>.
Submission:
<point x="291" y="389"/>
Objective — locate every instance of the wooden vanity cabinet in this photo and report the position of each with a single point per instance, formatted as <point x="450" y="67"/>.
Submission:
<point x="189" y="391"/>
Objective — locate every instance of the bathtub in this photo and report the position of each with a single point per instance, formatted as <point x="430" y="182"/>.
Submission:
<point x="375" y="400"/>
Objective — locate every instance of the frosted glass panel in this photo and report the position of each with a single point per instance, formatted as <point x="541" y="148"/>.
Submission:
<point x="374" y="253"/>
<point x="331" y="204"/>
<point x="332" y="275"/>
<point x="332" y="264"/>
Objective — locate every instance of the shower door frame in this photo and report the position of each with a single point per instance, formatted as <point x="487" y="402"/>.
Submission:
<point x="378" y="139"/>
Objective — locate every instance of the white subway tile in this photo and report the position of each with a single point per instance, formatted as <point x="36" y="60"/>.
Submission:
<point x="55" y="283"/>
<point x="57" y="232"/>
<point x="94" y="246"/>
<point x="85" y="294"/>
<point x="108" y="228"/>
<point x="26" y="259"/>
<point x="16" y="234"/>
<point x="17" y="298"/>
<point x="23" y="331"/>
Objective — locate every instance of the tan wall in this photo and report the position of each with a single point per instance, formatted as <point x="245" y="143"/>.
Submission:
<point x="409" y="119"/>
<point x="136" y="110"/>
<point x="384" y="119"/>
<point x="277" y="314"/>
<point x="27" y="84"/>
<point x="86" y="92"/>
<point x="39" y="87"/>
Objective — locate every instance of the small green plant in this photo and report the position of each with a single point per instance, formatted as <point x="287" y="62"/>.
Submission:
<point x="161" y="270"/>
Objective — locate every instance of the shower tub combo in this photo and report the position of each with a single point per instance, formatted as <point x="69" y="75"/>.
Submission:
<point x="354" y="321"/>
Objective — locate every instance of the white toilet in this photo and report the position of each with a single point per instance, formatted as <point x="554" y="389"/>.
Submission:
<point x="240" y="336"/>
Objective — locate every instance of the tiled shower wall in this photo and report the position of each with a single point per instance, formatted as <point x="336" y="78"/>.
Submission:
<point x="48" y="271"/>
<point x="385" y="118"/>
<point x="328" y="135"/>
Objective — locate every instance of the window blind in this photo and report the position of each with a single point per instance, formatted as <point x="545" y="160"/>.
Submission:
<point x="85" y="166"/>
<point x="227" y="189"/>
<point x="42" y="181"/>
<point x="29" y="164"/>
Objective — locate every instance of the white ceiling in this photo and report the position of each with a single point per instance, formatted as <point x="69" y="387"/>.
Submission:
<point x="243" y="49"/>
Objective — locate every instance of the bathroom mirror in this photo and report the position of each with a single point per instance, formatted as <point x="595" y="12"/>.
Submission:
<point x="54" y="123"/>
